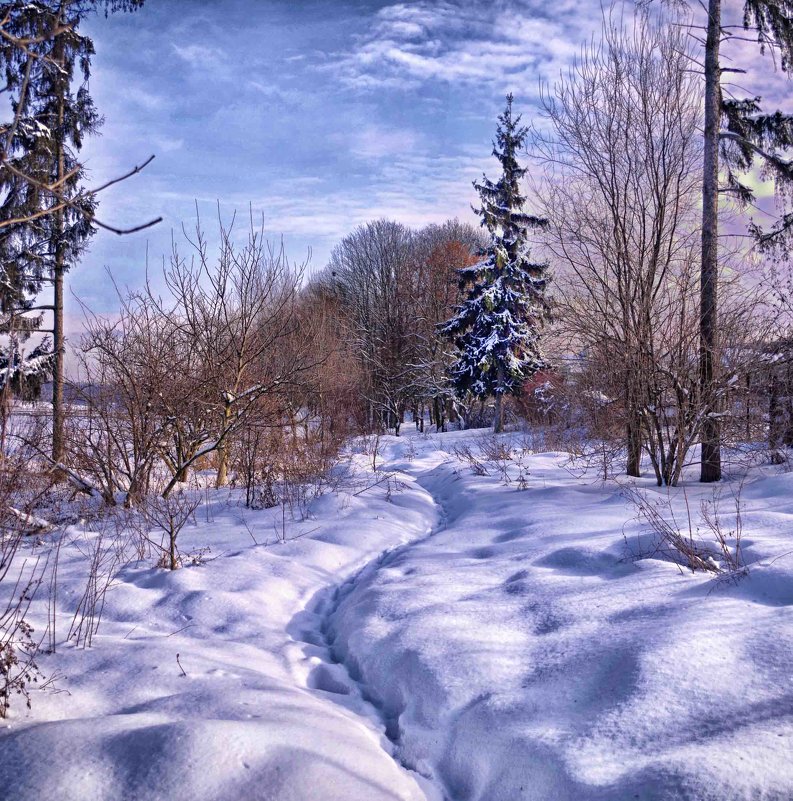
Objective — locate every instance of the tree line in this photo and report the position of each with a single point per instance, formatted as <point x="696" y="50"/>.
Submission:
<point x="603" y="303"/>
<point x="595" y="297"/>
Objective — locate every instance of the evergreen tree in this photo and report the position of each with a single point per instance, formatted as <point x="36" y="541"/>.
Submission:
<point x="738" y="135"/>
<point x="43" y="56"/>
<point x="496" y="329"/>
<point x="22" y="373"/>
<point x="24" y="239"/>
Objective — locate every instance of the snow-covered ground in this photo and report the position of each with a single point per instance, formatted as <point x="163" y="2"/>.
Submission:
<point x="447" y="638"/>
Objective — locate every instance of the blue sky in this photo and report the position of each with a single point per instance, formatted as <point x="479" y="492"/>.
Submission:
<point x="317" y="114"/>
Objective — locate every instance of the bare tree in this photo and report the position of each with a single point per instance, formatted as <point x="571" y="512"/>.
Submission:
<point x="737" y="136"/>
<point x="623" y="175"/>
<point x="372" y="270"/>
<point x="175" y="376"/>
<point x="169" y="516"/>
<point x="441" y="251"/>
<point x="117" y="429"/>
<point x="239" y="314"/>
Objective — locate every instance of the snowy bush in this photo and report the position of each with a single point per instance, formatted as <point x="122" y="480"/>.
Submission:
<point x="20" y="574"/>
<point x="168" y="516"/>
<point x="703" y="543"/>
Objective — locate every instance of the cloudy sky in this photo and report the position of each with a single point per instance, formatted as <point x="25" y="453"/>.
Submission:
<point x="317" y="114"/>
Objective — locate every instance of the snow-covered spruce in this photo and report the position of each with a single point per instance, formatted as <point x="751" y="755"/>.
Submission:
<point x="497" y="328"/>
<point x="23" y="373"/>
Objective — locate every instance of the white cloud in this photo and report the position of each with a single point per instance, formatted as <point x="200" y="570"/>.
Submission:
<point x="414" y="188"/>
<point x="197" y="55"/>
<point x="268" y="90"/>
<point x="167" y="144"/>
<point x="144" y="98"/>
<point x="377" y="142"/>
<point x="464" y="42"/>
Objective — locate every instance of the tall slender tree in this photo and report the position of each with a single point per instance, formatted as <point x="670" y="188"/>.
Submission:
<point x="738" y="135"/>
<point x="622" y="155"/>
<point x="23" y="240"/>
<point x="47" y="216"/>
<point x="497" y="327"/>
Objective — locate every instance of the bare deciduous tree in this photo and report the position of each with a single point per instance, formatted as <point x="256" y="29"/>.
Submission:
<point x="372" y="270"/>
<point x="623" y="162"/>
<point x="174" y="377"/>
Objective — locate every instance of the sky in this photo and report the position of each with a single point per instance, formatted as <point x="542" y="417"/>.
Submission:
<point x="316" y="116"/>
<point x="313" y="115"/>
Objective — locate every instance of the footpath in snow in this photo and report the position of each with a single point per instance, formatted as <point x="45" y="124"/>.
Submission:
<point x="440" y="635"/>
<point x="256" y="715"/>
<point x="524" y="654"/>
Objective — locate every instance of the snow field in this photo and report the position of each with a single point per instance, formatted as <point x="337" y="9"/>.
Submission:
<point x="248" y="721"/>
<point x="450" y="638"/>
<point x="528" y="656"/>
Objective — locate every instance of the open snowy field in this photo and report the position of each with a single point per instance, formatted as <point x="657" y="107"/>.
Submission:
<point x="439" y="635"/>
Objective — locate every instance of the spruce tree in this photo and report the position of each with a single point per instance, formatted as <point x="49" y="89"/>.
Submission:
<point x="41" y="180"/>
<point x="496" y="329"/>
<point x="24" y="238"/>
<point x="738" y="137"/>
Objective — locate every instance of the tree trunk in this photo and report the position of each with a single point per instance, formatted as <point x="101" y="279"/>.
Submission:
<point x="634" y="433"/>
<point x="634" y="429"/>
<point x="787" y="437"/>
<point x="59" y="346"/>
<point x="498" y="417"/>
<point x="775" y="421"/>
<point x="710" y="469"/>
<point x="59" y="267"/>
<point x="174" y="564"/>
<point x="223" y="454"/>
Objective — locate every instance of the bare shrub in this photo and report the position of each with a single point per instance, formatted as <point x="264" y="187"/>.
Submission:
<point x="371" y="446"/>
<point x="169" y="515"/>
<point x="684" y="543"/>
<point x="117" y="537"/>
<point x="465" y="454"/>
<point x="116" y="434"/>
<point x="728" y="538"/>
<point x="498" y="456"/>
<point x="279" y="464"/>
<point x="496" y="449"/>
<point x="20" y="576"/>
<point x="499" y="452"/>
<point x="18" y="647"/>
<point x="253" y="467"/>
<point x="168" y="383"/>
<point x="305" y="468"/>
<point x="102" y="558"/>
<point x="409" y="451"/>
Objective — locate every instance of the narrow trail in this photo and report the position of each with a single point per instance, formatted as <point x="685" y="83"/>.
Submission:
<point x="339" y="678"/>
